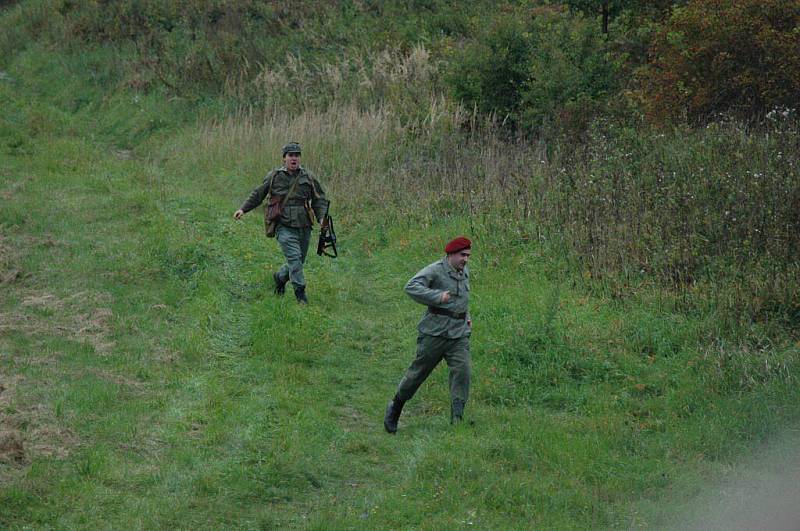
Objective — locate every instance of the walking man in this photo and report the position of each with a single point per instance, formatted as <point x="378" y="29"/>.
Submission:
<point x="302" y="199"/>
<point x="444" y="330"/>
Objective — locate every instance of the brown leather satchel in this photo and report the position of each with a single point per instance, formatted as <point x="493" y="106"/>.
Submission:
<point x="271" y="215"/>
<point x="274" y="209"/>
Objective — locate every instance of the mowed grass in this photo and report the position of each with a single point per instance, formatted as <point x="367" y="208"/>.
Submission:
<point x="154" y="380"/>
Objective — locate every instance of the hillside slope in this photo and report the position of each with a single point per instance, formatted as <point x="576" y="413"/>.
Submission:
<point x="149" y="378"/>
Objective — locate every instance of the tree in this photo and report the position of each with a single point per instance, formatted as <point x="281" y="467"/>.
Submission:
<point x="734" y="56"/>
<point x="608" y="9"/>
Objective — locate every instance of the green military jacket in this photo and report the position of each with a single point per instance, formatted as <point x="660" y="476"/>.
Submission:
<point x="306" y="191"/>
<point x="427" y="286"/>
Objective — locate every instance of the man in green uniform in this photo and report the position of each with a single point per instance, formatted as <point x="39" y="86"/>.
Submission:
<point x="303" y="199"/>
<point x="444" y="330"/>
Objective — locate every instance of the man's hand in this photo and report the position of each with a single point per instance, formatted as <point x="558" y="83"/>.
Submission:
<point x="238" y="214"/>
<point x="469" y="323"/>
<point x="323" y="226"/>
<point x="445" y="298"/>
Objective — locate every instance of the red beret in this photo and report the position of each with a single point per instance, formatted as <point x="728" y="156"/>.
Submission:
<point x="459" y="244"/>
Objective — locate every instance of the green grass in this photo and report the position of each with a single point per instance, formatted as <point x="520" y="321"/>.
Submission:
<point x="157" y="382"/>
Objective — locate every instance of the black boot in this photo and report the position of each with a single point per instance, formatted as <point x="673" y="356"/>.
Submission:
<point x="457" y="411"/>
<point x="300" y="294"/>
<point x="393" y="414"/>
<point x="280" y="285"/>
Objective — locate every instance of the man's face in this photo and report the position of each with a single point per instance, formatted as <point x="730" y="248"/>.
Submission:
<point x="459" y="260"/>
<point x="291" y="161"/>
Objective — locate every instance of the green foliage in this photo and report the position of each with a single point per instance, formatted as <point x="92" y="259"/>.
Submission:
<point x="186" y="46"/>
<point x="209" y="46"/>
<point x="679" y="204"/>
<point x="553" y="68"/>
<point x="572" y="74"/>
<point x="14" y="136"/>
<point x="608" y="10"/>
<point x="723" y="56"/>
<point x="26" y="23"/>
<point x="491" y="73"/>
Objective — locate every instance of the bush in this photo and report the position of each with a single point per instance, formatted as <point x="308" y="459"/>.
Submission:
<point x="489" y="73"/>
<point x="721" y="56"/>
<point x="551" y="67"/>
<point x="571" y="74"/>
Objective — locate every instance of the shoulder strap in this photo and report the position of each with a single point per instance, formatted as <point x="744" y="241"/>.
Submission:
<point x="293" y="186"/>
<point x="291" y="189"/>
<point x="288" y="193"/>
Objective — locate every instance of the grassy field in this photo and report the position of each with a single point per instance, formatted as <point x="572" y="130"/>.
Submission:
<point x="151" y="379"/>
<point x="635" y="295"/>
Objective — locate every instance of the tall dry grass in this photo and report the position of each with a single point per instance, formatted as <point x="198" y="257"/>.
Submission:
<point x="678" y="207"/>
<point x="709" y="214"/>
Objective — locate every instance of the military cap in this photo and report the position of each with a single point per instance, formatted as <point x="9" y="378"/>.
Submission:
<point x="458" y="244"/>
<point x="291" y="147"/>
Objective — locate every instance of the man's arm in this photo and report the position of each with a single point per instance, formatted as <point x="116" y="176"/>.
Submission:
<point x="319" y="203"/>
<point x="257" y="197"/>
<point x="418" y="288"/>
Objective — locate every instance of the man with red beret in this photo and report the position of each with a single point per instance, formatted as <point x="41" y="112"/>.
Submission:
<point x="444" y="330"/>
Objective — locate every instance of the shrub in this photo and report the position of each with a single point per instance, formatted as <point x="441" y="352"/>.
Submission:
<point x="607" y="10"/>
<point x="719" y="56"/>
<point x="551" y="67"/>
<point x="571" y="73"/>
<point x="490" y="72"/>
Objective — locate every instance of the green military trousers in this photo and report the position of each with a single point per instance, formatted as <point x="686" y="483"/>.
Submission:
<point x="294" y="245"/>
<point x="430" y="351"/>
